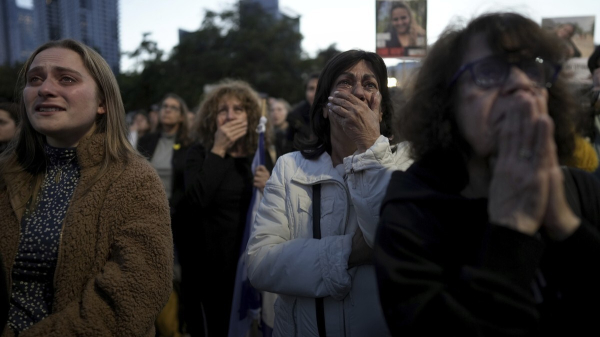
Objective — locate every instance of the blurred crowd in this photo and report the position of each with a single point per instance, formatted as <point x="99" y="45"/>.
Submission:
<point x="466" y="202"/>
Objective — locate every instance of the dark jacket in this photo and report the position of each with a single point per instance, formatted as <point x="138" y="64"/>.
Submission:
<point x="147" y="145"/>
<point x="444" y="269"/>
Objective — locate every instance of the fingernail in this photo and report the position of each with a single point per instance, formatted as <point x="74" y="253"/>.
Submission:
<point x="330" y="98"/>
<point x="336" y="92"/>
<point x="329" y="104"/>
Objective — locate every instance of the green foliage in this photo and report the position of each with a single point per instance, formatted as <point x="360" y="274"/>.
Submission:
<point x="242" y="43"/>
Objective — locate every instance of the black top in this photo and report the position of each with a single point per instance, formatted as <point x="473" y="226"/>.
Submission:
<point x="393" y="42"/>
<point x="444" y="269"/>
<point x="218" y="193"/>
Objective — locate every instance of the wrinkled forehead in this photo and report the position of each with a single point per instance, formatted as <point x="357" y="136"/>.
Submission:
<point x="361" y="68"/>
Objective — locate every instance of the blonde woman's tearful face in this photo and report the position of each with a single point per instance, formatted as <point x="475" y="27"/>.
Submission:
<point x="61" y="97"/>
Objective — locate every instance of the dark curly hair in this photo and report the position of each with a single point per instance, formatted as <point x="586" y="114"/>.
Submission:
<point x="427" y="119"/>
<point x="314" y="147"/>
<point x="206" y="124"/>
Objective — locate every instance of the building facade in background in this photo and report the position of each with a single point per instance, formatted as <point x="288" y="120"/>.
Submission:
<point x="95" y="23"/>
<point x="272" y="7"/>
<point x="18" y="36"/>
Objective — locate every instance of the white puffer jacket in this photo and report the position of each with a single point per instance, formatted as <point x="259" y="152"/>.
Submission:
<point x="283" y="257"/>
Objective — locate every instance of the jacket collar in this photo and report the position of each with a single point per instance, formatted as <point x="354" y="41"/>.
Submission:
<point x="90" y="153"/>
<point x="91" y="150"/>
<point x="314" y="171"/>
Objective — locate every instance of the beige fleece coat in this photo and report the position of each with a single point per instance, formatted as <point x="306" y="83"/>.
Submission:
<point x="115" y="260"/>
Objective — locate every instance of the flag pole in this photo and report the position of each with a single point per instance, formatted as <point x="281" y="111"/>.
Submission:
<point x="264" y="108"/>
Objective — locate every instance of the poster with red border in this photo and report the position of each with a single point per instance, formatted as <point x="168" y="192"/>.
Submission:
<point x="401" y="28"/>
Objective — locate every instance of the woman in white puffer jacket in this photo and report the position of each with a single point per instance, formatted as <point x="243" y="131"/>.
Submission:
<point x="351" y="159"/>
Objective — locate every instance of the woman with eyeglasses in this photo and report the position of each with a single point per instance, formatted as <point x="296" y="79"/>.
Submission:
<point x="486" y="234"/>
<point x="166" y="150"/>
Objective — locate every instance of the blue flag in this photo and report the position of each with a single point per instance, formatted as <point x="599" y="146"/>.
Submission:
<point x="247" y="301"/>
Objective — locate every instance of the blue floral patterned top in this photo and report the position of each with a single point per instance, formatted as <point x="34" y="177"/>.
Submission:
<point x="33" y="271"/>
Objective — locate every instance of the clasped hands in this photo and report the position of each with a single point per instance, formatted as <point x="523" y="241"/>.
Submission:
<point x="526" y="191"/>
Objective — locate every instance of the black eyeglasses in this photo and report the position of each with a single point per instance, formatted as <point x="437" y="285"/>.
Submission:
<point x="492" y="71"/>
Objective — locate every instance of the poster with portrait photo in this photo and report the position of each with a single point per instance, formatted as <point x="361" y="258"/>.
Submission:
<point x="576" y="31"/>
<point x="401" y="28"/>
<point x="577" y="34"/>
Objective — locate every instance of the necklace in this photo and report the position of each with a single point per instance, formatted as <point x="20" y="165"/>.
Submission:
<point x="58" y="173"/>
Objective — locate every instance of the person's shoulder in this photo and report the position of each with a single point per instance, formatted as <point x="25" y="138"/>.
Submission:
<point x="287" y="164"/>
<point x="196" y="149"/>
<point x="134" y="175"/>
<point x="138" y="166"/>
<point x="289" y="159"/>
<point x="401" y="155"/>
<point x="402" y="183"/>
<point x="147" y="144"/>
<point x="423" y="181"/>
<point x="585" y="181"/>
<point x="300" y="108"/>
<point x="149" y="137"/>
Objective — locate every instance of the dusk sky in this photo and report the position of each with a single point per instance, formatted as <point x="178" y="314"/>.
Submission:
<point x="347" y="23"/>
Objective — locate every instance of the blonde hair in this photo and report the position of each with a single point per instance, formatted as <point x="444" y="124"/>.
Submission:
<point x="415" y="30"/>
<point x="206" y="121"/>
<point x="27" y="152"/>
